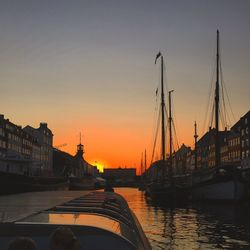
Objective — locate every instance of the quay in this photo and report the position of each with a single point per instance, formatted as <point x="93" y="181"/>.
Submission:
<point x="16" y="206"/>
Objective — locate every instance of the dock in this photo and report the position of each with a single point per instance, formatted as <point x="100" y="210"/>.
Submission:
<point x="16" y="206"/>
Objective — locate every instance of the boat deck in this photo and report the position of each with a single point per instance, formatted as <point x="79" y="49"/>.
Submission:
<point x="100" y="220"/>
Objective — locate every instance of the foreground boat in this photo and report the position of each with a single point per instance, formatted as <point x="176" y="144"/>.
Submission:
<point x="11" y="183"/>
<point x="99" y="220"/>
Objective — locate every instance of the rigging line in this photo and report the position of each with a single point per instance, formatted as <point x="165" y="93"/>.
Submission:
<point x="227" y="96"/>
<point x="222" y="120"/>
<point x="212" y="117"/>
<point x="166" y="124"/>
<point x="156" y="135"/>
<point x="223" y="106"/>
<point x="175" y="124"/>
<point x="154" y="127"/>
<point x="155" y="116"/>
<point x="177" y="142"/>
<point x="209" y="100"/>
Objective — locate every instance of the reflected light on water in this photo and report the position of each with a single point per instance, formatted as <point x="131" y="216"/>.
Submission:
<point x="190" y="226"/>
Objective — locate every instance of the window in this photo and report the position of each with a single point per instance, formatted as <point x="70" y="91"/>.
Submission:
<point x="243" y="155"/>
<point x="246" y="130"/>
<point x="242" y="132"/>
<point x="247" y="153"/>
<point x="242" y="143"/>
<point x="245" y="120"/>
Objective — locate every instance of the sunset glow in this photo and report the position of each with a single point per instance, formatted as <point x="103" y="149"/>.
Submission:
<point x="88" y="66"/>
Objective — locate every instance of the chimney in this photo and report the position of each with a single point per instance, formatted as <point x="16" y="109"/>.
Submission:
<point x="43" y="125"/>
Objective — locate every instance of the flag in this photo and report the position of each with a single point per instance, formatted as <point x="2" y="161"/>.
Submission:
<point x="157" y="56"/>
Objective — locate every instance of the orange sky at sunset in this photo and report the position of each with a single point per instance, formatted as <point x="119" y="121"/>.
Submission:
<point x="88" y="67"/>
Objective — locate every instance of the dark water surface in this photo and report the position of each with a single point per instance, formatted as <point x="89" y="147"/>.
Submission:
<point x="203" y="226"/>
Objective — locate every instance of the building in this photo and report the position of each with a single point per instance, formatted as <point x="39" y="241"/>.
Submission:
<point x="206" y="149"/>
<point x="80" y="166"/>
<point x="180" y="159"/>
<point x="43" y="157"/>
<point x="234" y="148"/>
<point x="16" y="148"/>
<point x="26" y="150"/>
<point x="122" y="174"/>
<point x="62" y="163"/>
<point x="242" y="129"/>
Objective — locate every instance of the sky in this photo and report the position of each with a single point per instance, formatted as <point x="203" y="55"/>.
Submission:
<point x="88" y="67"/>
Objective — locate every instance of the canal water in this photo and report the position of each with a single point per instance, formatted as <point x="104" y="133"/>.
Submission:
<point x="203" y="226"/>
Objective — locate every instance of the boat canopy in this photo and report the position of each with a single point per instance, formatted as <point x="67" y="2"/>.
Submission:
<point x="99" y="220"/>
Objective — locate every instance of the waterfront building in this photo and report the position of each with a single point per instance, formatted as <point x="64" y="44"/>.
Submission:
<point x="120" y="176"/>
<point x="234" y="148"/>
<point x="43" y="163"/>
<point x="180" y="159"/>
<point x="190" y="160"/>
<point x="15" y="148"/>
<point x="26" y="150"/>
<point x="242" y="129"/>
<point x="80" y="166"/>
<point x="62" y="163"/>
<point x="206" y="149"/>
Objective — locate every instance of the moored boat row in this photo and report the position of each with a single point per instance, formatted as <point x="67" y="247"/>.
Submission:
<point x="218" y="180"/>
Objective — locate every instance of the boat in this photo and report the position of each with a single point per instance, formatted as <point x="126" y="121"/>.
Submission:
<point x="11" y="183"/>
<point x="218" y="182"/>
<point x="87" y="182"/>
<point x="98" y="220"/>
<point x="161" y="183"/>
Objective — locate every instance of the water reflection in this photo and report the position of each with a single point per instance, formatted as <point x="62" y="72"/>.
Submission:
<point x="186" y="226"/>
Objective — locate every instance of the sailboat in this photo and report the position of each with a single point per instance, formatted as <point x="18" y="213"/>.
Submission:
<point x="217" y="181"/>
<point x="160" y="180"/>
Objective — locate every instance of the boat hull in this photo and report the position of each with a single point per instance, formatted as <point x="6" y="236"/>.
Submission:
<point x="15" y="183"/>
<point x="230" y="190"/>
<point x="84" y="183"/>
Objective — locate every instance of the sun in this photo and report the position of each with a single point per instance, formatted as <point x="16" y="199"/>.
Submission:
<point x="99" y="165"/>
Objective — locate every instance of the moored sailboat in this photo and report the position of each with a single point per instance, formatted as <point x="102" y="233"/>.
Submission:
<point x="217" y="181"/>
<point x="162" y="184"/>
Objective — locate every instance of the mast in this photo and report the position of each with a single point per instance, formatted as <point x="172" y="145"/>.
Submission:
<point x="217" y="99"/>
<point x="145" y="160"/>
<point x="141" y="163"/>
<point x="195" y="145"/>
<point x="170" y="130"/>
<point x="162" y="114"/>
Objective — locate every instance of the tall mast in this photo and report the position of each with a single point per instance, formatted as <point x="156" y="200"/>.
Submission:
<point x="141" y="163"/>
<point x="217" y="98"/>
<point x="145" y="161"/>
<point x="195" y="145"/>
<point x="170" y="129"/>
<point x="162" y="114"/>
<point x="163" y="153"/>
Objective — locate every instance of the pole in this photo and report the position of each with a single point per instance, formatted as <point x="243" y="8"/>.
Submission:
<point x="217" y="99"/>
<point x="162" y="114"/>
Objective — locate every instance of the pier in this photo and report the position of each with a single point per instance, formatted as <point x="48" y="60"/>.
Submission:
<point x="16" y="206"/>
